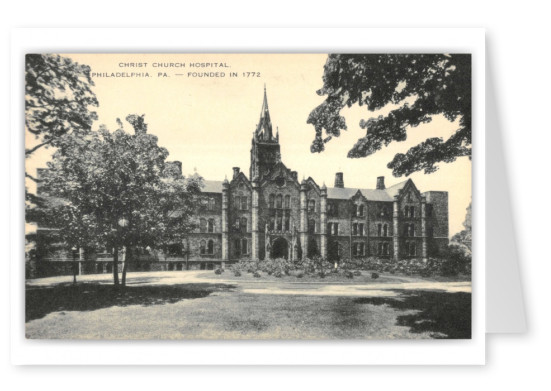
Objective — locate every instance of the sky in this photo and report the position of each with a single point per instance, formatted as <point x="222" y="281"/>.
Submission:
<point x="207" y="122"/>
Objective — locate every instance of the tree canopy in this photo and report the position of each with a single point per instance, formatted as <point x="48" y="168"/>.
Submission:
<point x="465" y="236"/>
<point x="116" y="189"/>
<point x="58" y="98"/>
<point x="421" y="85"/>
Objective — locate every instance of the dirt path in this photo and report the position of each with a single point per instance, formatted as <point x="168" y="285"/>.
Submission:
<point x="263" y="286"/>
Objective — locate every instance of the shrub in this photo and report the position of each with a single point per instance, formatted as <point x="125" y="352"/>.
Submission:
<point x="349" y="274"/>
<point x="237" y="273"/>
<point x="374" y="275"/>
<point x="278" y="274"/>
<point x="300" y="275"/>
<point x="321" y="274"/>
<point x="357" y="273"/>
<point x="218" y="271"/>
<point x="257" y="274"/>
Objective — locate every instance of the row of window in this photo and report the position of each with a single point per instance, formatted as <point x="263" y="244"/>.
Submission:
<point x="206" y="247"/>
<point x="282" y="223"/>
<point x="240" y="247"/>
<point x="279" y="202"/>
<point x="241" y="202"/>
<point x="358" y="229"/>
<point x="209" y="203"/>
<point x="206" y="225"/>
<point x="409" y="211"/>
<point x="359" y="249"/>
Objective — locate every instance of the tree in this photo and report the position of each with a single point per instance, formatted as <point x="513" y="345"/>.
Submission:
<point x="119" y="191"/>
<point x="421" y="85"/>
<point x="58" y="97"/>
<point x="465" y="236"/>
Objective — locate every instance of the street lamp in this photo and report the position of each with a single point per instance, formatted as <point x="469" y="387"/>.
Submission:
<point x="74" y="249"/>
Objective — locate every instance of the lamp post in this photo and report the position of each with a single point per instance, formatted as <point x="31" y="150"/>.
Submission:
<point x="74" y="249"/>
<point x="123" y="223"/>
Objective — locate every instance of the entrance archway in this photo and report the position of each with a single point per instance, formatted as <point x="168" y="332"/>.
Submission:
<point x="280" y="249"/>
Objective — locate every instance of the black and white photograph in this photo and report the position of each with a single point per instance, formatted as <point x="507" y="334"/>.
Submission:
<point x="248" y="196"/>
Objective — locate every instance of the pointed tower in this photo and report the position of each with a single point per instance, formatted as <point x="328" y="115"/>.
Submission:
<point x="265" y="150"/>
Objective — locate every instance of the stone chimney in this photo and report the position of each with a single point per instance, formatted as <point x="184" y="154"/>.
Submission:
<point x="235" y="172"/>
<point x="380" y="183"/>
<point x="339" y="180"/>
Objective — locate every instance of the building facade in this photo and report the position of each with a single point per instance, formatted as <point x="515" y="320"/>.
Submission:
<point x="271" y="214"/>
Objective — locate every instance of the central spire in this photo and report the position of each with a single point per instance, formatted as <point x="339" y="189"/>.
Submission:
<point x="264" y="128"/>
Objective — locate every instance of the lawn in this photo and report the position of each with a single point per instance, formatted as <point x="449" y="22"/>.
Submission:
<point x="222" y="310"/>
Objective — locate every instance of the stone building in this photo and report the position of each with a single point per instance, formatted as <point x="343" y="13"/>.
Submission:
<point x="270" y="213"/>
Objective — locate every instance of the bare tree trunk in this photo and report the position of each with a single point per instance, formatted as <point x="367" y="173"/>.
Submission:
<point x="116" y="266"/>
<point x="125" y="264"/>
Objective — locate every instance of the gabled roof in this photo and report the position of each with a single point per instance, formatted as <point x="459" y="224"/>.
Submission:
<point x="346" y="193"/>
<point x="212" y="187"/>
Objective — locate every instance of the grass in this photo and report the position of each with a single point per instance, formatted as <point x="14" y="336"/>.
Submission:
<point x="41" y="301"/>
<point x="444" y="315"/>
<point x="224" y="311"/>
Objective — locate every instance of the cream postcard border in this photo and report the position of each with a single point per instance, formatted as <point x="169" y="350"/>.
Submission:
<point x="244" y="40"/>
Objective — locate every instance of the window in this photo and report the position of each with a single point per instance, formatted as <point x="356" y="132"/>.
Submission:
<point x="287" y="224"/>
<point x="244" y="246"/>
<point x="409" y="230"/>
<point x="202" y="247"/>
<point x="355" y="229"/>
<point x="385" y="230"/>
<point x="210" y="226"/>
<point x="211" y="204"/>
<point x="361" y="229"/>
<point x="271" y="200"/>
<point x="243" y="224"/>
<point x="244" y="200"/>
<point x="386" y="249"/>
<point x="210" y="247"/>
<point x="175" y="249"/>
<point x="379" y="229"/>
<point x="358" y="249"/>
<point x="311" y="206"/>
<point x="279" y="223"/>
<point x="271" y="224"/>
<point x="287" y="202"/>
<point x="237" y="202"/>
<point x="237" y="247"/>
<point x="428" y="210"/>
<point x="278" y="201"/>
<point x="410" y="211"/>
<point x="203" y="225"/>
<point x="359" y="210"/>
<point x="412" y="249"/>
<point x="311" y="226"/>
<point x="333" y="229"/>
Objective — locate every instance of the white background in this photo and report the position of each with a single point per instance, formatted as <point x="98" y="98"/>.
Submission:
<point x="518" y="53"/>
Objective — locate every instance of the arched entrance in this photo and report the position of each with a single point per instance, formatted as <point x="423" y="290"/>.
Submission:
<point x="280" y="249"/>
